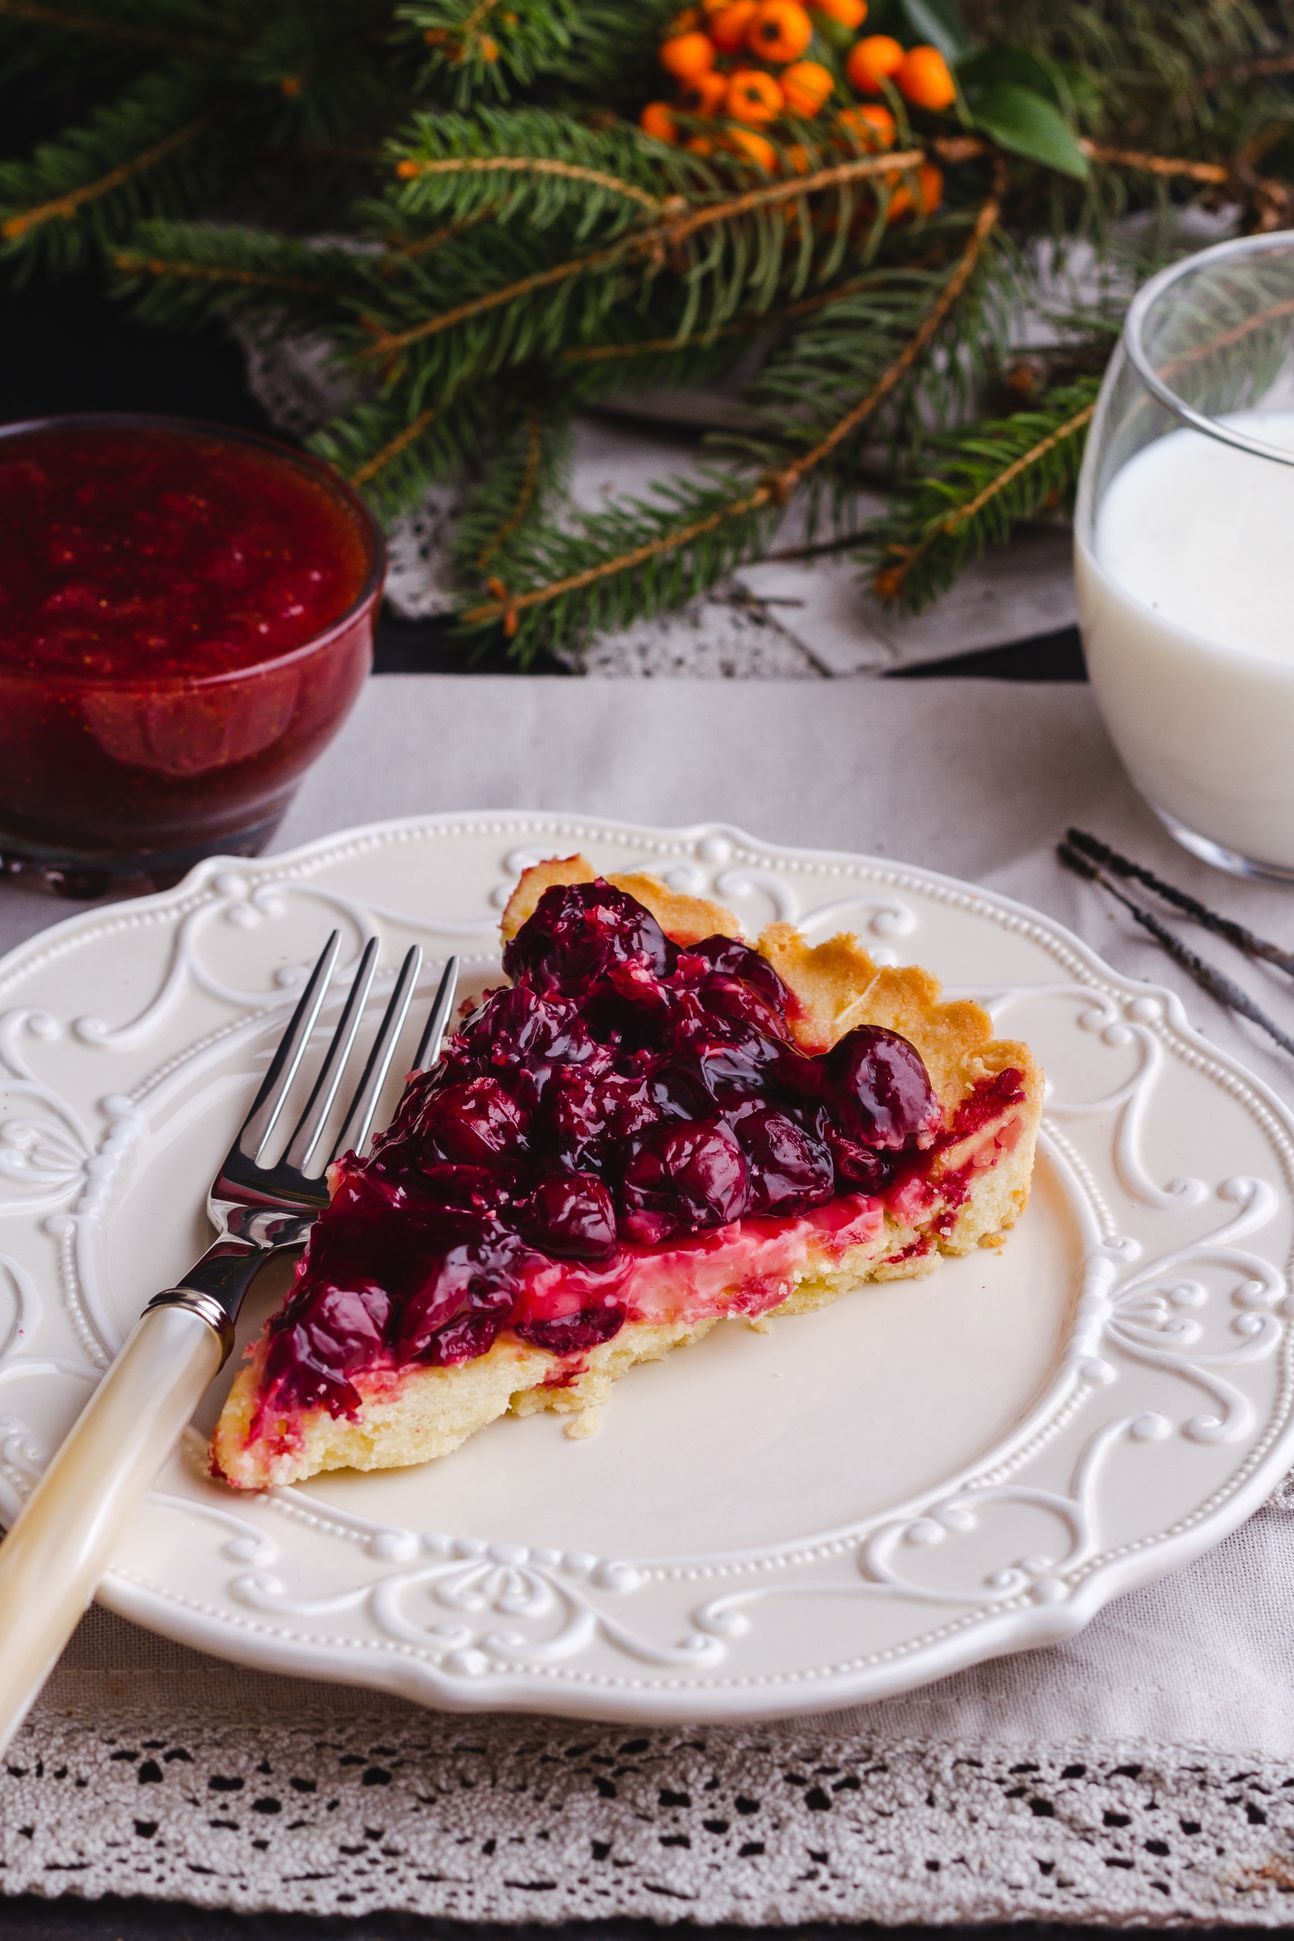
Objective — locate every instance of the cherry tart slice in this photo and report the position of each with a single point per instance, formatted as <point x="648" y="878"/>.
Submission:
<point x="653" y="1127"/>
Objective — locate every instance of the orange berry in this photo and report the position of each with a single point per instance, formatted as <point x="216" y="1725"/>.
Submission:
<point x="930" y="188"/>
<point x="805" y="86"/>
<point x="729" y="25"/>
<point x="921" y="194"/>
<point x="753" y="96"/>
<point x="925" y="79"/>
<point x="699" y="145"/>
<point x="871" y="123"/>
<point x="683" y="23"/>
<point x="900" y="203"/>
<point x="848" y="13"/>
<point x="488" y="48"/>
<point x="872" y="61"/>
<point x="687" y="55"/>
<point x="780" y="31"/>
<point x="756" y="148"/>
<point x="657" y="120"/>
<point x="704" y="95"/>
<point x="407" y="169"/>
<point x="797" y="159"/>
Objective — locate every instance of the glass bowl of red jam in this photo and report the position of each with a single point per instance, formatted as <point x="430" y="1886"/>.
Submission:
<point x="186" y="618"/>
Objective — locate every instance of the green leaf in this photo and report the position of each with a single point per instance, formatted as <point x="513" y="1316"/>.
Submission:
<point x="990" y="67"/>
<point x="940" y="23"/>
<point x="1023" y="122"/>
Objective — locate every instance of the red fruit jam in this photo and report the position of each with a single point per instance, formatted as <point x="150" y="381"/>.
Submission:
<point x="186" y="616"/>
<point x="626" y="1105"/>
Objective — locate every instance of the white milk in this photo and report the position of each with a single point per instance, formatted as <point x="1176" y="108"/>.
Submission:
<point x="1186" y="603"/>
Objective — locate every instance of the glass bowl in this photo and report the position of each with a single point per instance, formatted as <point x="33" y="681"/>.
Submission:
<point x="131" y="748"/>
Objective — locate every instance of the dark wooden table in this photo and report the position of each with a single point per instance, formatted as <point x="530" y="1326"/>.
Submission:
<point x="72" y="350"/>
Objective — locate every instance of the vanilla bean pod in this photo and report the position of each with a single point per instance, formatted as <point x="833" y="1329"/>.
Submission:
<point x="1206" y="975"/>
<point x="1235" y="933"/>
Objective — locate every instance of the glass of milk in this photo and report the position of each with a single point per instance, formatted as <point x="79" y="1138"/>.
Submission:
<point x="1184" y="551"/>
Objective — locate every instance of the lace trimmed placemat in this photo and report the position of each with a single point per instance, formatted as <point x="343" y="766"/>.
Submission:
<point x="1141" y="1771"/>
<point x="498" y="1821"/>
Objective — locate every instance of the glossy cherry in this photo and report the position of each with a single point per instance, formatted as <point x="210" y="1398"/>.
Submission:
<point x="476" y="1123"/>
<point x="879" y="1090"/>
<point x="680" y="1178"/>
<point x="578" y="931"/>
<point x="571" y="1218"/>
<point x="788" y="1166"/>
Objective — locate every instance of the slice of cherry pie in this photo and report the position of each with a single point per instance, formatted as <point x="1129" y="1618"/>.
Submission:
<point x="653" y="1128"/>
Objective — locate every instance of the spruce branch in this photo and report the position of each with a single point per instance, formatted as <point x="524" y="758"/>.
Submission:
<point x="478" y="45"/>
<point x="643" y="556"/>
<point x="752" y="259"/>
<point x="513" y="313"/>
<point x="392" y="455"/>
<point x="523" y="470"/>
<point x="1254" y="67"/>
<point x="175" y="272"/>
<point x="668" y="359"/>
<point x="977" y="485"/>
<point x="93" y="180"/>
<point x="1138" y="63"/>
<point x="535" y="166"/>
<point x="958" y="282"/>
<point x="478" y="49"/>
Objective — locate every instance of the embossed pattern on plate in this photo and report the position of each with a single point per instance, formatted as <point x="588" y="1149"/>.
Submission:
<point x="862" y="1500"/>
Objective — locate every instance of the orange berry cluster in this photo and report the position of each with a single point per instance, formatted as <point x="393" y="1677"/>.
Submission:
<point x="750" y="64"/>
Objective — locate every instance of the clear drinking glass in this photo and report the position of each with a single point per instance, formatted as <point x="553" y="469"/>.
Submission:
<point x="1184" y="552"/>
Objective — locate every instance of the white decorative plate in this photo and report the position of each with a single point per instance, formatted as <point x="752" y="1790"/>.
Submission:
<point x="869" y="1497"/>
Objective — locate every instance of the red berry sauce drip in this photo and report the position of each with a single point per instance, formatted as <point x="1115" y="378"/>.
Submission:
<point x="128" y="552"/>
<point x="623" y="1094"/>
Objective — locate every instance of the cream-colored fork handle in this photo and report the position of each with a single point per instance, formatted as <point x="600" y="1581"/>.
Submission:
<point x="63" y="1540"/>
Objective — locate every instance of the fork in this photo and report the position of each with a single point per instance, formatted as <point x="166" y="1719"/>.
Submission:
<point x="62" y="1542"/>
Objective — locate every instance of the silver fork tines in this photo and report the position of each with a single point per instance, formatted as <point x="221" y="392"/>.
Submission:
<point x="359" y="1115"/>
<point x="272" y="1094"/>
<point x="442" y="1005"/>
<point x="309" y="1128"/>
<point x="274" y="1203"/>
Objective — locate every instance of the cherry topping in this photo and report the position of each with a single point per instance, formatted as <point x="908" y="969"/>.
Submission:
<point x="790" y="1168"/>
<point x="880" y="1089"/>
<point x="477" y="1280"/>
<point x="682" y="1178"/>
<point x="574" y="1334"/>
<point x="738" y="960"/>
<point x="621" y="1094"/>
<point x="474" y="1124"/>
<point x="573" y="1218"/>
<point x="578" y="931"/>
